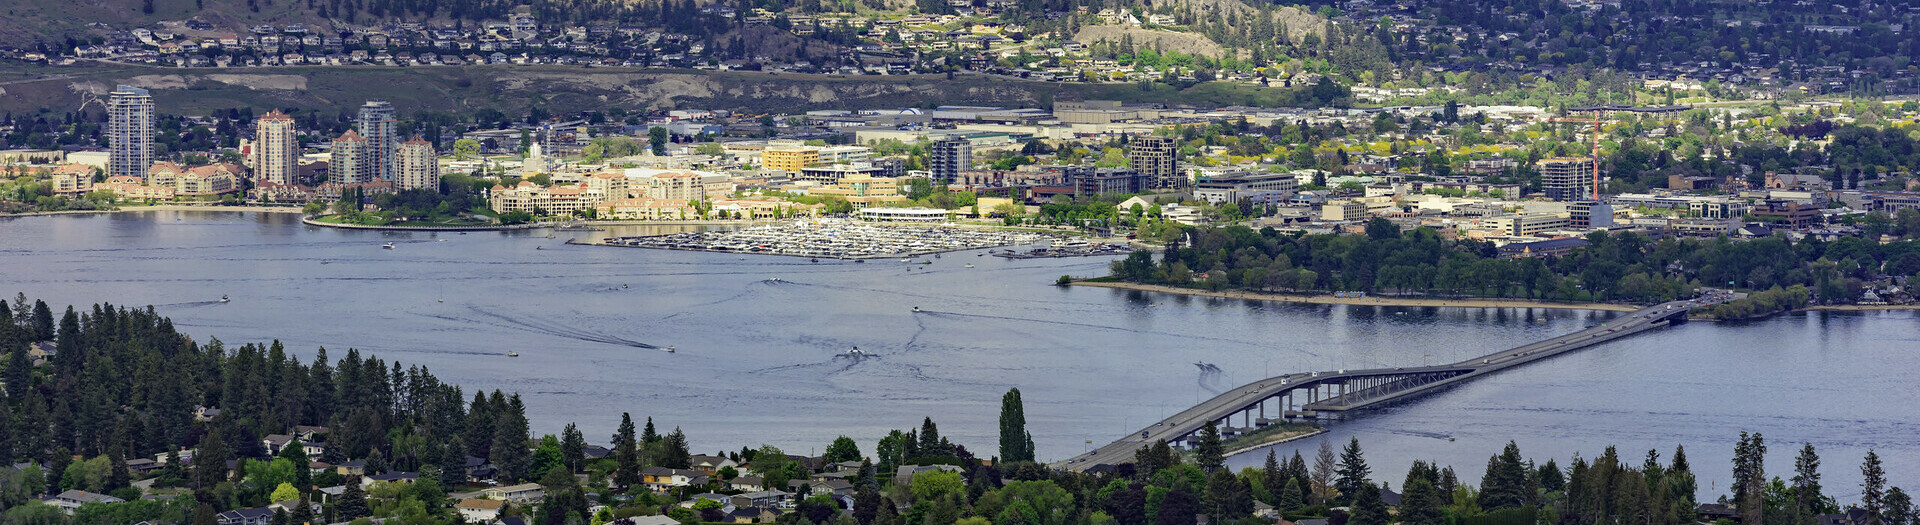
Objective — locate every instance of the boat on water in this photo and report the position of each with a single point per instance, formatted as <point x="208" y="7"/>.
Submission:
<point x="387" y="246"/>
<point x="916" y="309"/>
<point x="511" y="353"/>
<point x="906" y="260"/>
<point x="969" y="266"/>
<point x="223" y="298"/>
<point x="854" y="353"/>
<point x="669" y="349"/>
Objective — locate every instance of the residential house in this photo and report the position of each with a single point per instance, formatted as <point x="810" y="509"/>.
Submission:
<point x="662" y="479"/>
<point x="479" y="510"/>
<point x="389" y="477"/>
<point x="71" y="500"/>
<point x="711" y="465"/>
<point x="522" y="493"/>
<point x="253" y="516"/>
<point x="904" y="475"/>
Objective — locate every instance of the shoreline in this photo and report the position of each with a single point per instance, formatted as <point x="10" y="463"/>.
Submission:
<point x="159" y="207"/>
<point x="1271" y="441"/>
<point x="1360" y="301"/>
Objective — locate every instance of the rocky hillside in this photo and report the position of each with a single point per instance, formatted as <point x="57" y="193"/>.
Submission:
<point x="513" y="89"/>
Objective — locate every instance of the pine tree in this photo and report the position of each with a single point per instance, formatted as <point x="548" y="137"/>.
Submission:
<point x="1749" y="476"/>
<point x="1806" y="485"/>
<point x="1290" y="499"/>
<point x="1898" y="508"/>
<point x="626" y="453"/>
<point x="1015" y="443"/>
<point x="929" y="443"/>
<point x="1208" y="452"/>
<point x="1368" y="508"/>
<point x="1228" y="497"/>
<point x="42" y="321"/>
<point x="1273" y="477"/>
<point x="677" y="455"/>
<point x="648" y="436"/>
<point x="573" y="448"/>
<point x="1873" y="484"/>
<point x="1353" y="471"/>
<point x="19" y="375"/>
<point x="510" y="439"/>
<point x="210" y="461"/>
<point x="352" y="502"/>
<point x="1505" y="485"/>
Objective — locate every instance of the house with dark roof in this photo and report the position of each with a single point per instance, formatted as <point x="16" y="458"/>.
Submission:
<point x="253" y="516"/>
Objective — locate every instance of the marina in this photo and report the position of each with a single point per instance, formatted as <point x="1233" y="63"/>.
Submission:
<point x="837" y="239"/>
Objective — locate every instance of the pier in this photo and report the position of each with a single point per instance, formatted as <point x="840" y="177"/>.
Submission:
<point x="1317" y="394"/>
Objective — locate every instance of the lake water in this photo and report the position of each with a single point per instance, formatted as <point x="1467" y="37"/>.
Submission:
<point x="757" y="339"/>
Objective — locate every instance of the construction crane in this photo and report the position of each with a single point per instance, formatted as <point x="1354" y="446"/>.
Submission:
<point x="1596" y="148"/>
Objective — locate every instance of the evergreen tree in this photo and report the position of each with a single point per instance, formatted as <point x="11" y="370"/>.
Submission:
<point x="210" y="461"/>
<point x="19" y="375"/>
<point x="677" y="455"/>
<point x="1208" y="452"/>
<point x="930" y="444"/>
<point x="1873" y="484"/>
<point x="1749" y="476"/>
<point x="352" y="503"/>
<point x="1368" y="508"/>
<point x="1898" y="508"/>
<point x="480" y="426"/>
<point x="1178" y="507"/>
<point x="41" y="322"/>
<point x="1273" y="477"/>
<point x="648" y="436"/>
<point x="1806" y="486"/>
<point x="626" y="453"/>
<point x="510" y="454"/>
<point x="1290" y="497"/>
<point x="1505" y="484"/>
<point x="1420" y="500"/>
<point x="1016" y="444"/>
<point x="1353" y="471"/>
<point x="573" y="448"/>
<point x="1228" y="497"/>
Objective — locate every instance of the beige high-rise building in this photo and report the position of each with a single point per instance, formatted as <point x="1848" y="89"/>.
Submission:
<point x="129" y="132"/>
<point x="349" y="162"/>
<point x="417" y="167"/>
<point x="275" y="150"/>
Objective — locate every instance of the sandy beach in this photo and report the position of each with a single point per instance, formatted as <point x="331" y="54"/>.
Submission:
<point x="1363" y="301"/>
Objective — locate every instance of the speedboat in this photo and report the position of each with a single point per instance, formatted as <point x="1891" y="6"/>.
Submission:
<point x="511" y="353"/>
<point x="223" y="298"/>
<point x="669" y="349"/>
<point x="969" y="266"/>
<point x="387" y="246"/>
<point x="916" y="309"/>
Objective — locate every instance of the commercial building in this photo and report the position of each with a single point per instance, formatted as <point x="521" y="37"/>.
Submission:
<point x="1526" y="224"/>
<point x="539" y="200"/>
<point x="1235" y="186"/>
<point x="1088" y="181"/>
<point x="791" y="158"/>
<point x="1566" y="178"/>
<point x="1347" y="210"/>
<point x="1717" y="209"/>
<point x="903" y="214"/>
<point x="129" y="132"/>
<point x="350" y="162"/>
<point x="1155" y="157"/>
<point x="276" y="152"/>
<point x="417" y="166"/>
<point x="1590" y="214"/>
<point x="862" y="191"/>
<point x="378" y="126"/>
<point x="645" y="209"/>
<point x="949" y="157"/>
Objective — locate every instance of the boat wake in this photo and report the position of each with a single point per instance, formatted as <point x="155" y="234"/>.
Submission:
<point x="551" y="328"/>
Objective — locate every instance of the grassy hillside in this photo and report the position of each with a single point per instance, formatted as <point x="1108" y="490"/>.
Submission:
<point x="513" y="89"/>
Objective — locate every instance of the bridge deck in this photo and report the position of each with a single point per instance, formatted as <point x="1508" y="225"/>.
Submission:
<point x="1375" y="386"/>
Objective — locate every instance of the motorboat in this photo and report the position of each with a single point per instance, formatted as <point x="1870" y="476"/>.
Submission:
<point x="969" y="266"/>
<point x="223" y="298"/>
<point x="916" y="309"/>
<point x="387" y="246"/>
<point x="511" y="353"/>
<point x="669" y="349"/>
